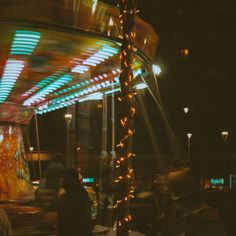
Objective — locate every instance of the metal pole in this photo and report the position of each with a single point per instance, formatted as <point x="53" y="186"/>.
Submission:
<point x="103" y="159"/>
<point x="68" y="163"/>
<point x="38" y="146"/>
<point x="68" y="117"/>
<point x="104" y="154"/>
<point x="189" y="148"/>
<point x="32" y="163"/>
<point x="113" y="137"/>
<point x="189" y="135"/>
<point x="112" y="152"/>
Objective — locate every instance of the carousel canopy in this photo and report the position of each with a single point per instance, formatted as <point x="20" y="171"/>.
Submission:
<point x="54" y="54"/>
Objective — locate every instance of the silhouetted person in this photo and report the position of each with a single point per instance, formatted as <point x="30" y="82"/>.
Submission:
<point x="74" y="212"/>
<point x="54" y="172"/>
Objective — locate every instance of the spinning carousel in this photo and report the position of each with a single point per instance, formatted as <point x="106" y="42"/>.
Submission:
<point x="54" y="54"/>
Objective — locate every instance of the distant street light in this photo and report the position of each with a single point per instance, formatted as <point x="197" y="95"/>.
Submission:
<point x="68" y="118"/>
<point x="31" y="149"/>
<point x="186" y="110"/>
<point x="189" y="135"/>
<point x="225" y="135"/>
<point x="156" y="69"/>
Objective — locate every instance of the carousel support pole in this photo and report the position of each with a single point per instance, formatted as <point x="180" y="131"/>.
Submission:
<point x="38" y="145"/>
<point x="113" y="137"/>
<point x="104" y="154"/>
<point x="112" y="161"/>
<point x="69" y="160"/>
<point x="31" y="149"/>
<point x="103" y="161"/>
<point x="123" y="161"/>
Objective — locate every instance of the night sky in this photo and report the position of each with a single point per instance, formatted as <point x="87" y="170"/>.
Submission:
<point x="203" y="80"/>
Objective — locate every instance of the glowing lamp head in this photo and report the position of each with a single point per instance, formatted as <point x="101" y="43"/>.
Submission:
<point x="31" y="149"/>
<point x="189" y="135"/>
<point x="186" y="110"/>
<point x="156" y="69"/>
<point x="68" y="117"/>
<point x="225" y="135"/>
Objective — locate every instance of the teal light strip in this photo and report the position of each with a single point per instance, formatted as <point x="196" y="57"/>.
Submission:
<point x="24" y="42"/>
<point x="95" y="59"/>
<point x="80" y="95"/>
<point x="44" y="82"/>
<point x="11" y="73"/>
<point x="42" y="93"/>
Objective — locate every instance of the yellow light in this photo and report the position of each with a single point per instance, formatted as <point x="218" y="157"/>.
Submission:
<point x="185" y="52"/>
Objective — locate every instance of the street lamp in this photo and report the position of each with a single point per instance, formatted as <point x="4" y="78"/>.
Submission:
<point x="189" y="135"/>
<point x="156" y="70"/>
<point x="225" y="135"/>
<point x="186" y="110"/>
<point x="31" y="149"/>
<point x="68" y="118"/>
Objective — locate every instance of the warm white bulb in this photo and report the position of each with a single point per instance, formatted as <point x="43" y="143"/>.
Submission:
<point x="225" y="134"/>
<point x="186" y="110"/>
<point x="68" y="117"/>
<point x="189" y="135"/>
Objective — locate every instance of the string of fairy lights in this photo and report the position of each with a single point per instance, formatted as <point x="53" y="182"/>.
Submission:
<point x="123" y="162"/>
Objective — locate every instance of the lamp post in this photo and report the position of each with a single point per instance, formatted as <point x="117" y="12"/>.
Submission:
<point x="31" y="149"/>
<point x="68" y="118"/>
<point x="189" y="135"/>
<point x="225" y="135"/>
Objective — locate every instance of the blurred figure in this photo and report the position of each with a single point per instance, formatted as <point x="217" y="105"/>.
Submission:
<point x="54" y="172"/>
<point x="74" y="212"/>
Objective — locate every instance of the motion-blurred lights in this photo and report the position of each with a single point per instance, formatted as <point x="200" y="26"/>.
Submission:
<point x="156" y="69"/>
<point x="11" y="73"/>
<point x="140" y="86"/>
<point x="94" y="6"/>
<point x="94" y="96"/>
<point x="25" y="42"/>
<point x="41" y="94"/>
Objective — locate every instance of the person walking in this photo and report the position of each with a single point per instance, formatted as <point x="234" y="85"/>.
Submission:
<point x="74" y="210"/>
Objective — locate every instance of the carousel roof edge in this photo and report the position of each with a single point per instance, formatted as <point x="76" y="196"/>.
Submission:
<point x="93" y="17"/>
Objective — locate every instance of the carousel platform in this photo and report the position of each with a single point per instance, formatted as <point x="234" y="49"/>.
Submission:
<point x="28" y="218"/>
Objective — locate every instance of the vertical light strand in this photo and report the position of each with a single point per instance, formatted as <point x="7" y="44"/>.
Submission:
<point x="123" y="162"/>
